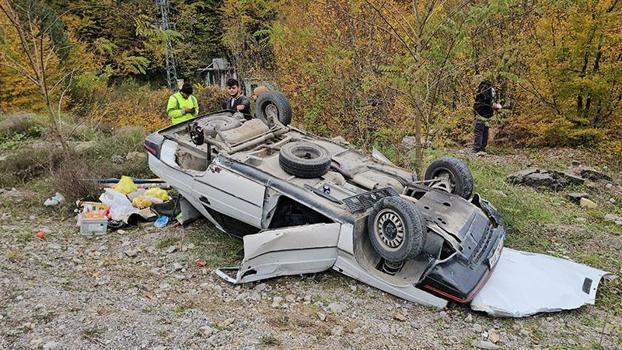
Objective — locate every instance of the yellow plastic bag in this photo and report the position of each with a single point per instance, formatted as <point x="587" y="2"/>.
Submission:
<point x="158" y="193"/>
<point x="125" y="185"/>
<point x="141" y="202"/>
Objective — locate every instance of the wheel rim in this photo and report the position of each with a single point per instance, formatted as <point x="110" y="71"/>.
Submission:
<point x="272" y="112"/>
<point x="390" y="229"/>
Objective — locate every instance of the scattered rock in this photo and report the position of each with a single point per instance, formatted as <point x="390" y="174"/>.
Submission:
<point x="399" y="316"/>
<point x="575" y="162"/>
<point x="260" y="287"/>
<point x="493" y="337"/>
<point x="50" y="345"/>
<point x="612" y="200"/>
<point x="336" y="308"/>
<point x="132" y="252"/>
<point x="177" y="266"/>
<point x="609" y="186"/>
<point x="580" y="219"/>
<point x="290" y="298"/>
<point x="276" y="302"/>
<point x="484" y="344"/>
<point x="477" y="328"/>
<point x="524" y="333"/>
<point x="321" y="316"/>
<point x="614" y="218"/>
<point x="594" y="175"/>
<point x="337" y="331"/>
<point x="575" y="197"/>
<point x="207" y="331"/>
<point x="469" y="318"/>
<point x="171" y="249"/>
<point x="587" y="204"/>
<point x="542" y="178"/>
<point x="226" y="323"/>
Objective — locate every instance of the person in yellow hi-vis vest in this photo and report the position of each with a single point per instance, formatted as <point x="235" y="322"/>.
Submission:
<point x="182" y="105"/>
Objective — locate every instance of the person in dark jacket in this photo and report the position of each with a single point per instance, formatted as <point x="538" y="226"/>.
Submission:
<point x="236" y="101"/>
<point x="483" y="108"/>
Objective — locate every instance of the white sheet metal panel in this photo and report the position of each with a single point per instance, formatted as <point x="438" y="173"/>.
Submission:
<point x="525" y="283"/>
<point x="289" y="251"/>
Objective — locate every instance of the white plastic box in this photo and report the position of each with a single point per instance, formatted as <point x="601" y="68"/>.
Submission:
<point x="93" y="227"/>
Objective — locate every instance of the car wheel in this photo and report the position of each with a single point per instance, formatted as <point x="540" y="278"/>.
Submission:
<point x="396" y="229"/>
<point x="453" y="174"/>
<point x="304" y="159"/>
<point x="272" y="106"/>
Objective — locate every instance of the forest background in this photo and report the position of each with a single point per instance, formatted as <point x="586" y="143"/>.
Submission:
<point x="364" y="69"/>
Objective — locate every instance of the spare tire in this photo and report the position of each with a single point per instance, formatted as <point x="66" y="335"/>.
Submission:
<point x="396" y="229"/>
<point x="273" y="105"/>
<point x="304" y="159"/>
<point x="456" y="171"/>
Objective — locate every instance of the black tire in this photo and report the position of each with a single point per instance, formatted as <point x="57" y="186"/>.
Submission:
<point x="460" y="176"/>
<point x="395" y="227"/>
<point x="273" y="104"/>
<point x="304" y="159"/>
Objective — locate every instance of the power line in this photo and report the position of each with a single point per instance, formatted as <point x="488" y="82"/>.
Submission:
<point x="165" y="24"/>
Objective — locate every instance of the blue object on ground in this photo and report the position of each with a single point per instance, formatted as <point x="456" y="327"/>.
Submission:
<point x="161" y="221"/>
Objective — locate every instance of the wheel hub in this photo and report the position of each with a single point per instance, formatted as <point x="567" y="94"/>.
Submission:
<point x="390" y="229"/>
<point x="272" y="112"/>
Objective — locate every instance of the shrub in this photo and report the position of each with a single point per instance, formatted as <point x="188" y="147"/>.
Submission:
<point x="28" y="163"/>
<point x="74" y="178"/>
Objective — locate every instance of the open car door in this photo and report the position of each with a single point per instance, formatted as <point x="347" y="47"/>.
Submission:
<point x="286" y="251"/>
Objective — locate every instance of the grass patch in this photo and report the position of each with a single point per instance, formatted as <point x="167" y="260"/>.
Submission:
<point x="167" y="242"/>
<point x="215" y="247"/>
<point x="269" y="340"/>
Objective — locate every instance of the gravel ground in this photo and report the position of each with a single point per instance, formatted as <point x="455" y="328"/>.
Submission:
<point x="132" y="290"/>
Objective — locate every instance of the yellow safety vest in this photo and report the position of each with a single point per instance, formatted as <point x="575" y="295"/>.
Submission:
<point x="176" y="105"/>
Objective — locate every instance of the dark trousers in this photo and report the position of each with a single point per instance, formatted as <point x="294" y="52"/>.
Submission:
<point x="481" y="136"/>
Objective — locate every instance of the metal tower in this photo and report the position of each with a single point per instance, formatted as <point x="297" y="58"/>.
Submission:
<point x="165" y="24"/>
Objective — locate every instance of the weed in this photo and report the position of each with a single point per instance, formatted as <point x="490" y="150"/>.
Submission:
<point x="14" y="255"/>
<point x="167" y="242"/>
<point x="180" y="309"/>
<point x="215" y="247"/>
<point x="269" y="340"/>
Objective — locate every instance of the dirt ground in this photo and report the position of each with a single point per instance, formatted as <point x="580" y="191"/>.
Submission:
<point x="140" y="288"/>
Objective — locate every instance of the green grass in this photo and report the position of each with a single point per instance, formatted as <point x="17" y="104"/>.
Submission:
<point x="216" y="248"/>
<point x="269" y="340"/>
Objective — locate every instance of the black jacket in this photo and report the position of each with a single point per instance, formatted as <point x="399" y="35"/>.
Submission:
<point x="240" y="100"/>
<point x="483" y="102"/>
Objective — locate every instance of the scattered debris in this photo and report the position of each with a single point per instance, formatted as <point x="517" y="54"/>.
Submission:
<point x="40" y="235"/>
<point x="171" y="249"/>
<point x="399" y="316"/>
<point x="132" y="252"/>
<point x="201" y="263"/>
<point x="56" y="200"/>
<point x="542" y="178"/>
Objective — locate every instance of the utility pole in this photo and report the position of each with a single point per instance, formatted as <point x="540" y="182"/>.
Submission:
<point x="165" y="24"/>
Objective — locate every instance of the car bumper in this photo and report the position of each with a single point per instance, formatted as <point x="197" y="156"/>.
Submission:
<point x="459" y="279"/>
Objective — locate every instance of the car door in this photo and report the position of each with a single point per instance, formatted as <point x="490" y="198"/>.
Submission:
<point x="287" y="251"/>
<point x="231" y="194"/>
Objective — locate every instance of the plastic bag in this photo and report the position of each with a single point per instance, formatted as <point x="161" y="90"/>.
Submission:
<point x="125" y="185"/>
<point x="158" y="193"/>
<point x="141" y="202"/>
<point x="120" y="207"/>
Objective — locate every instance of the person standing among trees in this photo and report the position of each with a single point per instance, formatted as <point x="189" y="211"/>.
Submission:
<point x="483" y="108"/>
<point x="236" y="101"/>
<point x="182" y="105"/>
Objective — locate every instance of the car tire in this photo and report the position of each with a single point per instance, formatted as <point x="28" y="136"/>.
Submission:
<point x="395" y="227"/>
<point x="304" y="159"/>
<point x="271" y="105"/>
<point x="458" y="173"/>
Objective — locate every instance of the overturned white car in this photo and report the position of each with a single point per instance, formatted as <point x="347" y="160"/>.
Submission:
<point x="305" y="204"/>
